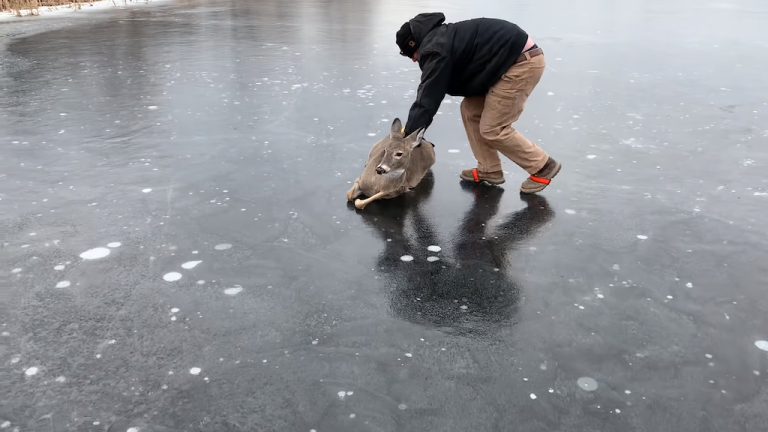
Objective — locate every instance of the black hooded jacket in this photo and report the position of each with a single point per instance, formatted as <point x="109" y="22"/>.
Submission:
<point x="460" y="59"/>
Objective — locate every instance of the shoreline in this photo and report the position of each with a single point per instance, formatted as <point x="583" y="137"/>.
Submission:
<point x="65" y="9"/>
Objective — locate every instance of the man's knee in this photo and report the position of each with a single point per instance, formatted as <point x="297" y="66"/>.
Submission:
<point x="491" y="133"/>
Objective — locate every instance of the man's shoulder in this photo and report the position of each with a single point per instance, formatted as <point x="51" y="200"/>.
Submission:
<point x="436" y="42"/>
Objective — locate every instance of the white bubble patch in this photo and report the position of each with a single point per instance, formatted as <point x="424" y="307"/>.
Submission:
<point x="147" y="190"/>
<point x="223" y="246"/>
<point x="642" y="237"/>
<point x="433" y="259"/>
<point x="453" y="150"/>
<point x="16" y="270"/>
<point x="570" y="211"/>
<point x="591" y="156"/>
<point x="761" y="344"/>
<point x="63" y="284"/>
<point x="31" y="371"/>
<point x="95" y="253"/>
<point x="59" y="268"/>
<point x="434" y="248"/>
<point x="172" y="276"/>
<point x="406" y="258"/>
<point x="114" y="244"/>
<point x="233" y="291"/>
<point x="587" y="383"/>
<point x="190" y="264"/>
<point x="195" y="371"/>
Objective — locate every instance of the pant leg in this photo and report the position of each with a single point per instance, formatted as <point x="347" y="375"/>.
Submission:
<point x="504" y="103"/>
<point x="486" y="155"/>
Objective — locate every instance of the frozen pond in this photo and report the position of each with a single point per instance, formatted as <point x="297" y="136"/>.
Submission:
<point x="178" y="253"/>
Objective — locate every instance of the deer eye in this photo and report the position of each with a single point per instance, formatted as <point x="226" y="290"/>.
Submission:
<point x="399" y="154"/>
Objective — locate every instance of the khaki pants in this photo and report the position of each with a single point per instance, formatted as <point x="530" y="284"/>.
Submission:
<point x="488" y="119"/>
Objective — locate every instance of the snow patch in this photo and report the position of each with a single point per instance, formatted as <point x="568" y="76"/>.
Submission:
<point x="172" y="276"/>
<point x="95" y="253"/>
<point x="190" y="264"/>
<point x="233" y="291"/>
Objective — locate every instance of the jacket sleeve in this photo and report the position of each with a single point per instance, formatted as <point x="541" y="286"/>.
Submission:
<point x="435" y="75"/>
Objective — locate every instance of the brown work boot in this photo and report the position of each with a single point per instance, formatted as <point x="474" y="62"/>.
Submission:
<point x="476" y="176"/>
<point x="537" y="182"/>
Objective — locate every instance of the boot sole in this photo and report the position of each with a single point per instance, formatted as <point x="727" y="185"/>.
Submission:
<point x="540" y="187"/>
<point x="472" y="179"/>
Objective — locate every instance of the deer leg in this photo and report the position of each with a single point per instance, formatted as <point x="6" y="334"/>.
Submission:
<point x="360" y="204"/>
<point x="354" y="192"/>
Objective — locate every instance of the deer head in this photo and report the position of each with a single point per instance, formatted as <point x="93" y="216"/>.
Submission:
<point x="397" y="152"/>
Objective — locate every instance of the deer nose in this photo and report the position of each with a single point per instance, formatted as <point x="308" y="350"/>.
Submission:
<point x="380" y="170"/>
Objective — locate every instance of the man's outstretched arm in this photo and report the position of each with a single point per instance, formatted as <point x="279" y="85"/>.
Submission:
<point x="435" y="75"/>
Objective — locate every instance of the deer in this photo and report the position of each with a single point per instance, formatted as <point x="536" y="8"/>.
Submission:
<point x="395" y="165"/>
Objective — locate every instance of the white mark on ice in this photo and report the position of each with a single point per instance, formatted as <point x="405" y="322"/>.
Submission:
<point x="147" y="190"/>
<point x="591" y="156"/>
<point x="616" y="267"/>
<point x="172" y="276"/>
<point x="600" y="296"/>
<point x="233" y="291"/>
<point x="371" y="134"/>
<point x="463" y="307"/>
<point x="16" y="270"/>
<point x="132" y="430"/>
<point x="533" y="396"/>
<point x="570" y="211"/>
<point x="59" y="267"/>
<point x="342" y="394"/>
<point x="689" y="285"/>
<point x="408" y="355"/>
<point x="406" y="258"/>
<point x="763" y="345"/>
<point x="114" y="244"/>
<point x="31" y="371"/>
<point x="709" y="356"/>
<point x="434" y="248"/>
<point x="432" y="259"/>
<point x="174" y="310"/>
<point x="402" y="406"/>
<point x="587" y="383"/>
<point x="642" y="237"/>
<point x="190" y="264"/>
<point x="6" y="424"/>
<point x="223" y="246"/>
<point x="63" y="284"/>
<point x="453" y="150"/>
<point x="201" y="282"/>
<point x="550" y="93"/>
<point x="152" y="107"/>
<point x="95" y="253"/>
<point x="195" y="371"/>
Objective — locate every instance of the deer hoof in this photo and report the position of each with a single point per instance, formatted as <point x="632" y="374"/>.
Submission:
<point x="360" y="204"/>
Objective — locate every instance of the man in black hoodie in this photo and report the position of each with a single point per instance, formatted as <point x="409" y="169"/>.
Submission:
<point x="495" y="65"/>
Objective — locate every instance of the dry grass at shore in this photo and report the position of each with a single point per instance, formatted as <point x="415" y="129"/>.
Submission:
<point x="32" y="7"/>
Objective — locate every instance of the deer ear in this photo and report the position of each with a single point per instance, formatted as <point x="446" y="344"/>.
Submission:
<point x="397" y="129"/>
<point x="419" y="137"/>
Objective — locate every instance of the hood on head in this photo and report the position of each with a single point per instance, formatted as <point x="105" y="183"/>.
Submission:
<point x="424" y="23"/>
